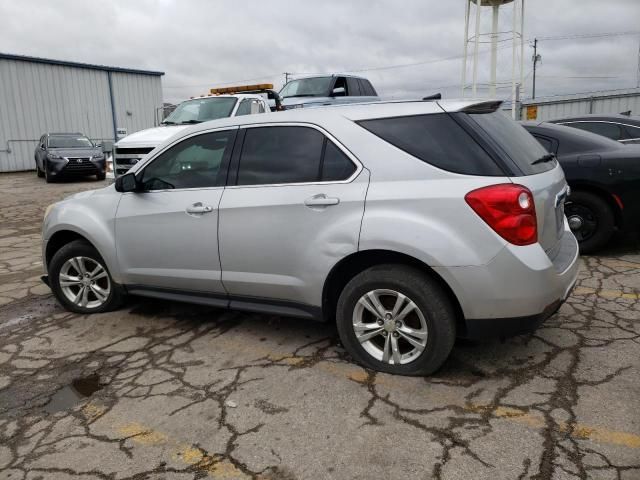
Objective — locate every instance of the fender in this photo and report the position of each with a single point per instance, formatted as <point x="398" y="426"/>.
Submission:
<point x="93" y="219"/>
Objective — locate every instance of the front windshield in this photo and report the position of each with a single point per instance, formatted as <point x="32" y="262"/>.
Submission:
<point x="69" y="141"/>
<point x="201" y="110"/>
<point x="307" y="87"/>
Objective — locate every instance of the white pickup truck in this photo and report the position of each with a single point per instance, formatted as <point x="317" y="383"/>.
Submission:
<point x="220" y="103"/>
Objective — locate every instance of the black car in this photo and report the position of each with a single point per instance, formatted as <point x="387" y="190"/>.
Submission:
<point x="621" y="128"/>
<point x="604" y="177"/>
<point x="68" y="154"/>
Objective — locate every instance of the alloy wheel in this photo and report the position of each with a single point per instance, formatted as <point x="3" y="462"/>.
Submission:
<point x="390" y="326"/>
<point x="84" y="282"/>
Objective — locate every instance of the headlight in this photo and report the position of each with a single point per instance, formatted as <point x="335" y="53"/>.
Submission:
<point x="53" y="155"/>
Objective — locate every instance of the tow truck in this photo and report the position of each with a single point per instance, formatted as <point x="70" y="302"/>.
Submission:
<point x="218" y="103"/>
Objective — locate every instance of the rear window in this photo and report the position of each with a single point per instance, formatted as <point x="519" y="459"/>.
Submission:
<point x="514" y="141"/>
<point x="437" y="140"/>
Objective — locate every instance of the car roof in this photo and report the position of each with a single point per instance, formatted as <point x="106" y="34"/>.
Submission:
<point x="329" y="76"/>
<point x="65" y="134"/>
<point x="618" y="118"/>
<point x="354" y="112"/>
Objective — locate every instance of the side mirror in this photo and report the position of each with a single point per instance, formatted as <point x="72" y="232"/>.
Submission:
<point x="338" y="92"/>
<point x="127" y="183"/>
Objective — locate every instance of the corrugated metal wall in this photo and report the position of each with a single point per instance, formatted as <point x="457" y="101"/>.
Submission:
<point x="37" y="98"/>
<point x="612" y="102"/>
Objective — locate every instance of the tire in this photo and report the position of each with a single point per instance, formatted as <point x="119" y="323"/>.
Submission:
<point x="435" y="315"/>
<point x="48" y="178"/>
<point x="597" y="217"/>
<point x="39" y="172"/>
<point x="101" y="176"/>
<point x="64" y="261"/>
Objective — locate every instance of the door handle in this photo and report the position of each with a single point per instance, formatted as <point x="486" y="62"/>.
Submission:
<point x="198" y="208"/>
<point x="321" y="200"/>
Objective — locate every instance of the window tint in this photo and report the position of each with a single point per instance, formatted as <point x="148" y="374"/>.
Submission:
<point x="192" y="163"/>
<point x="633" y="132"/>
<point x="514" y="141"/>
<point x="353" y="87"/>
<point x="366" y="88"/>
<point x="609" y="130"/>
<point x="336" y="165"/>
<point x="545" y="142"/>
<point x="244" y="108"/>
<point x="438" y="140"/>
<point x="272" y="155"/>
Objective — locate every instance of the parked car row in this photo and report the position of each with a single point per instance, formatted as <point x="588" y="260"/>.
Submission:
<point x="604" y="176"/>
<point x="407" y="223"/>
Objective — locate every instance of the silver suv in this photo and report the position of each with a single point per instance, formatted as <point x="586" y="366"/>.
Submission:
<point x="406" y="223"/>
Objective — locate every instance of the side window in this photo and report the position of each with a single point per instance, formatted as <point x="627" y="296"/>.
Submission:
<point x="341" y="82"/>
<point x="336" y="165"/>
<point x="368" y="88"/>
<point x="633" y="132"/>
<point x="354" y="87"/>
<point x="609" y="130"/>
<point x="192" y="163"/>
<point x="260" y="107"/>
<point x="244" y="108"/>
<point x="438" y="140"/>
<point x="273" y="155"/>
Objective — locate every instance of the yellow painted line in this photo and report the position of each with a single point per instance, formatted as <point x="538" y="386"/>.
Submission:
<point x="605" y="293"/>
<point x="578" y="431"/>
<point x="214" y="466"/>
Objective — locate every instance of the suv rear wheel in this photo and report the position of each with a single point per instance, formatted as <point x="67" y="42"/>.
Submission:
<point x="591" y="220"/>
<point x="80" y="280"/>
<point x="396" y="319"/>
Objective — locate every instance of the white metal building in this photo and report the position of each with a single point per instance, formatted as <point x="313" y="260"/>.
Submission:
<point x="39" y="95"/>
<point x="604" y="102"/>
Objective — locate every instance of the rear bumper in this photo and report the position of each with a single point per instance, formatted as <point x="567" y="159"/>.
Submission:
<point x="515" y="292"/>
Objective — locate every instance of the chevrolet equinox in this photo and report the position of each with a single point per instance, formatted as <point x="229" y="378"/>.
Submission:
<point x="406" y="223"/>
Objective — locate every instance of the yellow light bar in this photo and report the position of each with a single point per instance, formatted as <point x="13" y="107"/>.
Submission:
<point x="242" y="88"/>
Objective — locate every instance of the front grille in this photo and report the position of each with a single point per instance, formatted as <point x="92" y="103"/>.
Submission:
<point x="80" y="165"/>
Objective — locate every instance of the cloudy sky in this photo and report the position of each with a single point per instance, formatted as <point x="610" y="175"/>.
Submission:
<point x="407" y="48"/>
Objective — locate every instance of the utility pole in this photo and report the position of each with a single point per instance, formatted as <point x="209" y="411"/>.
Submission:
<point x="286" y="77"/>
<point x="638" y="73"/>
<point x="536" y="58"/>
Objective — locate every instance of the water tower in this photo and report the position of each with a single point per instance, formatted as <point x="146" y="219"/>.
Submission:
<point x="478" y="35"/>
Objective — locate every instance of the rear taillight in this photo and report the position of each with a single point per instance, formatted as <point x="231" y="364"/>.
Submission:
<point x="508" y="209"/>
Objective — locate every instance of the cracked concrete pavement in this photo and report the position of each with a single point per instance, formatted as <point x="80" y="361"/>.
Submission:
<point x="192" y="392"/>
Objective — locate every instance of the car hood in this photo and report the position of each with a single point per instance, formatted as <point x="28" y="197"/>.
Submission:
<point x="151" y="136"/>
<point x="76" y="152"/>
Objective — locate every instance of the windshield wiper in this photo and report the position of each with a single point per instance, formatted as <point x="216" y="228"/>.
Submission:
<point x="167" y="122"/>
<point x="545" y="158"/>
<point x="189" y="122"/>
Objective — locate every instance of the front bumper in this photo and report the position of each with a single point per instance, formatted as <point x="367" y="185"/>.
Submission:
<point x="75" y="166"/>
<point x="515" y="292"/>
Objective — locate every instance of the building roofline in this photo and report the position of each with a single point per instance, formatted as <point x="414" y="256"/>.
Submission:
<point x="89" y="66"/>
<point x="623" y="92"/>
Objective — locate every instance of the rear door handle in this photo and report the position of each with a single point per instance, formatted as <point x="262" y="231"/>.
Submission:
<point x="199" y="208"/>
<point x="321" y="200"/>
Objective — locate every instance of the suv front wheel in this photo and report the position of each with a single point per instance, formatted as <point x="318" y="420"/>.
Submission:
<point x="396" y="319"/>
<point x="80" y="280"/>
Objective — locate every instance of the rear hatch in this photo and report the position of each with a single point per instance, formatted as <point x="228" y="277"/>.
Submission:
<point x="527" y="164"/>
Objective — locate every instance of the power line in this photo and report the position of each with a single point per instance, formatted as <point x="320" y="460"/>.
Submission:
<point x="412" y="64"/>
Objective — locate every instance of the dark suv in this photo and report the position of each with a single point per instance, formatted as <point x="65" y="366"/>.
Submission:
<point x="327" y="90"/>
<point x="68" y="154"/>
